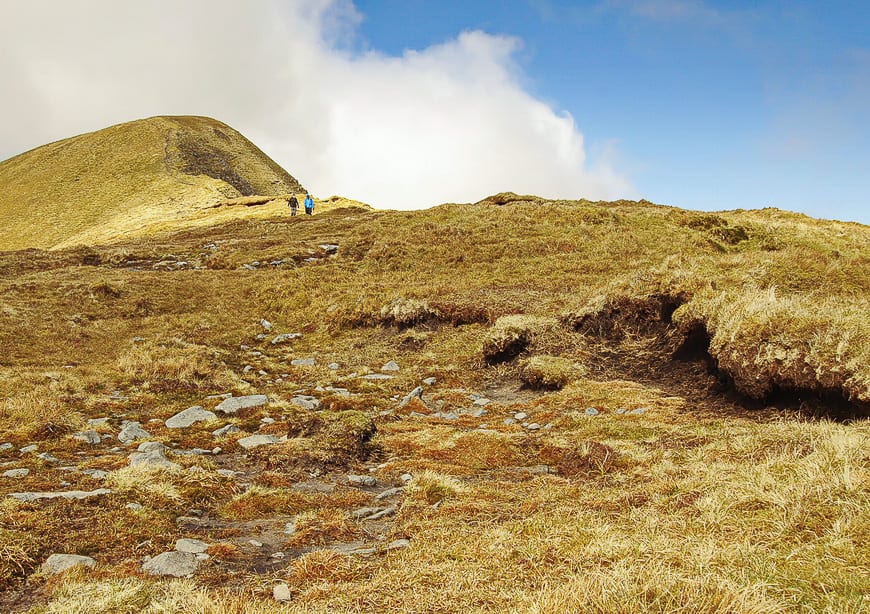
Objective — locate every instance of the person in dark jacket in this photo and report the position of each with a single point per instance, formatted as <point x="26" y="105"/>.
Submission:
<point x="309" y="204"/>
<point x="293" y="204"/>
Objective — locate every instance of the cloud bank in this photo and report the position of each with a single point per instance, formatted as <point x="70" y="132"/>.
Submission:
<point x="449" y="123"/>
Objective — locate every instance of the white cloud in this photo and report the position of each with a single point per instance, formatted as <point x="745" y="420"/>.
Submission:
<point x="450" y="122"/>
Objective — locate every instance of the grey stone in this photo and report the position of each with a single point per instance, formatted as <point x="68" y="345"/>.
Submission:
<point x="152" y="453"/>
<point x="58" y="563"/>
<point x="306" y="401"/>
<point x="534" y="426"/>
<point x="97" y="474"/>
<point x="361" y="480"/>
<point x="329" y="248"/>
<point x="234" y="404"/>
<point x="94" y="422"/>
<point x="255" y="441"/>
<point x="619" y="411"/>
<point x="28" y="449"/>
<point x="131" y="431"/>
<point x="333" y="366"/>
<point x="228" y="473"/>
<point x="177" y="564"/>
<point x="445" y="415"/>
<point x="16" y="473"/>
<point x="415" y="393"/>
<point x="509" y="421"/>
<point x="364" y="511"/>
<point x="48" y="457"/>
<point x="202" y="556"/>
<point x="375" y="377"/>
<point x="286" y="337"/>
<point x="91" y="437"/>
<point x="520" y="416"/>
<point x="390" y="492"/>
<point x="396" y="544"/>
<point x="190" y="416"/>
<point x="266" y="324"/>
<point x="383" y="513"/>
<point x="591" y="411"/>
<point x="193" y="546"/>
<point x="406" y="477"/>
<point x="639" y="411"/>
<point x="303" y="362"/>
<point x="281" y="593"/>
<point x="267" y="420"/>
<point x="478" y="413"/>
<point x="255" y="543"/>
<point x="481" y="401"/>
<point x="226" y="430"/>
<point x="430" y="381"/>
<point x="134" y="507"/>
<point x="67" y="494"/>
<point x="391" y="366"/>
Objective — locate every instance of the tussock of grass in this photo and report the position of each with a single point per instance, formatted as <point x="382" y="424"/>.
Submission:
<point x="259" y="502"/>
<point x="433" y="487"/>
<point x="766" y="341"/>
<point x="511" y="335"/>
<point x="169" y="367"/>
<point x="548" y="372"/>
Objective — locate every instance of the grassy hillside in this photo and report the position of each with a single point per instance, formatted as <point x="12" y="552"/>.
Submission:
<point x="133" y="178"/>
<point x="634" y="408"/>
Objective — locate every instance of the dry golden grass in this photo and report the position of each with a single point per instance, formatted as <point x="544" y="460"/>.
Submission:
<point x="701" y="504"/>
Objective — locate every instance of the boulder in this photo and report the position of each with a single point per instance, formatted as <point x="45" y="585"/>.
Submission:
<point x="234" y="404"/>
<point x="16" y="473"/>
<point x="58" y="563"/>
<point x="193" y="546"/>
<point x="306" y="401"/>
<point x="255" y="441"/>
<point x="67" y="494"/>
<point x="177" y="564"/>
<point x="91" y="437"/>
<point x="152" y="453"/>
<point x="131" y="431"/>
<point x="190" y="416"/>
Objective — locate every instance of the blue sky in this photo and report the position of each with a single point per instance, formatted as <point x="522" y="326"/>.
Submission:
<point x="700" y="104"/>
<point x="713" y="105"/>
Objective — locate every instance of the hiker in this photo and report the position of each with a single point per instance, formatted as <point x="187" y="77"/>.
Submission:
<point x="293" y="204"/>
<point x="309" y="204"/>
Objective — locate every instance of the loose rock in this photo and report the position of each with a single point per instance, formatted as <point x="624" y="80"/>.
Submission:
<point x="303" y="362"/>
<point x="591" y="411"/>
<point x="152" y="453"/>
<point x="226" y="430"/>
<point x="131" y="431"/>
<point x="281" y="592"/>
<point x="16" y="473"/>
<point x="306" y="401"/>
<point x="430" y="381"/>
<point x="58" y="563"/>
<point x="67" y="494"/>
<point x="361" y="480"/>
<point x="286" y="337"/>
<point x="255" y="441"/>
<point x="91" y="437"/>
<point x="177" y="564"/>
<point x="391" y="366"/>
<point x="193" y="546"/>
<point x="234" y="404"/>
<point x="190" y="416"/>
<point x="415" y="393"/>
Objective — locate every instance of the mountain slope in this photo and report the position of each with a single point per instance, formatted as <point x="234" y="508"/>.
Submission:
<point x="131" y="178"/>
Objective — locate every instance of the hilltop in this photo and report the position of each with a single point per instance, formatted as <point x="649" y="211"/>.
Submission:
<point x="514" y="405"/>
<point x="131" y="179"/>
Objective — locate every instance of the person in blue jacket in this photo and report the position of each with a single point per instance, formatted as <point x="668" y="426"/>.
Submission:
<point x="309" y="204"/>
